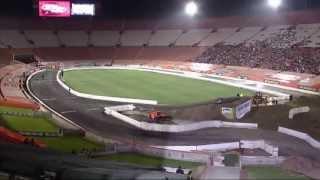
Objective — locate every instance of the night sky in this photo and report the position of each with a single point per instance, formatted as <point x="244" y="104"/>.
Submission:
<point x="164" y="8"/>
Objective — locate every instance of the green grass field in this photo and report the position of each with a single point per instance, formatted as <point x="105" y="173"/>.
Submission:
<point x="166" y="89"/>
<point x="134" y="158"/>
<point x="69" y="143"/>
<point x="269" y="172"/>
<point x="26" y="123"/>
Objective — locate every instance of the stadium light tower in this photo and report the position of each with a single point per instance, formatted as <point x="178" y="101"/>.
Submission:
<point x="275" y="4"/>
<point x="191" y="8"/>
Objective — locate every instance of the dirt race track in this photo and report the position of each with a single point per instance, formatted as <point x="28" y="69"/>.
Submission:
<point x="89" y="115"/>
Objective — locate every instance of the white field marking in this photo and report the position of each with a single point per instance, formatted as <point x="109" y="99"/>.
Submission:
<point x="49" y="99"/>
<point x="93" y="109"/>
<point x="71" y="111"/>
<point x="71" y="98"/>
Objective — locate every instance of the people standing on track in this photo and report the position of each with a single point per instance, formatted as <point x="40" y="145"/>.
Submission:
<point x="179" y="170"/>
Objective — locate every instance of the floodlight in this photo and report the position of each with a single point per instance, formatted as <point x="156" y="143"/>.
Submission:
<point x="275" y="3"/>
<point x="191" y="8"/>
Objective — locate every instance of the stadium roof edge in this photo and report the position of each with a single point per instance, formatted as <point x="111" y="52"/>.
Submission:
<point x="280" y="18"/>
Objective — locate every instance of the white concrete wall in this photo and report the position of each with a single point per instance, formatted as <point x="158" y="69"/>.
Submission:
<point x="173" y="154"/>
<point x="260" y="160"/>
<point x="129" y="107"/>
<point x="300" y="135"/>
<point x="177" y="128"/>
<point x="259" y="144"/>
<point x="295" y="111"/>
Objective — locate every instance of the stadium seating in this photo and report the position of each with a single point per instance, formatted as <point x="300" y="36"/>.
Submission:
<point x="5" y="57"/>
<point x="104" y="38"/>
<point x="164" y="37"/>
<point x="135" y="37"/>
<point x="42" y="38"/>
<point x="268" y="33"/>
<point x="14" y="39"/>
<point x="192" y="37"/>
<point x="242" y="35"/>
<point x="169" y="53"/>
<point x="217" y="37"/>
<point x="74" y="38"/>
<point x="304" y="31"/>
<point x="314" y="40"/>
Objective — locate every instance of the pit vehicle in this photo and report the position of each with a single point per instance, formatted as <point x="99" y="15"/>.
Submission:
<point x="156" y="116"/>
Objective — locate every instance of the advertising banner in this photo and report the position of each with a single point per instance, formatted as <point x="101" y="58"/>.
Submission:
<point x="243" y="109"/>
<point x="54" y="8"/>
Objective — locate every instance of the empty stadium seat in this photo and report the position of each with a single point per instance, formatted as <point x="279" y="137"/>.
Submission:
<point x="217" y="37"/>
<point x="242" y="35"/>
<point x="43" y="38"/>
<point x="304" y="31"/>
<point x="135" y="37"/>
<point x="314" y="39"/>
<point x="14" y="39"/>
<point x="169" y="53"/>
<point x="5" y="57"/>
<point x="192" y="37"/>
<point x="73" y="38"/>
<point x="104" y="38"/>
<point x="2" y="45"/>
<point x="164" y="37"/>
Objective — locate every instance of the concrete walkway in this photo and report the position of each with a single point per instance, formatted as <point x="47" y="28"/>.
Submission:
<point x="211" y="173"/>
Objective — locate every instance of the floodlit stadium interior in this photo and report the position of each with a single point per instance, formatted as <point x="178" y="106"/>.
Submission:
<point x="87" y="92"/>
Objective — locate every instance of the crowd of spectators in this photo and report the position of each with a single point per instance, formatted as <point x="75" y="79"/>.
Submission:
<point x="278" y="53"/>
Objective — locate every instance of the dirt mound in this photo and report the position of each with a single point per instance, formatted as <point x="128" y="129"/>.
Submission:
<point x="204" y="111"/>
<point x="302" y="165"/>
<point x="198" y="113"/>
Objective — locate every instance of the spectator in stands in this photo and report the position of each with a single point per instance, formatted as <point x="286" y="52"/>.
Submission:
<point x="275" y="53"/>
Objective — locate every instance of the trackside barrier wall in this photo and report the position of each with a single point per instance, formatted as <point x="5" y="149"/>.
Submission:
<point x="171" y="154"/>
<point x="261" y="160"/>
<point x="129" y="107"/>
<point x="295" y="111"/>
<point x="259" y="144"/>
<point x="300" y="135"/>
<point x="177" y="128"/>
<point x="195" y="156"/>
